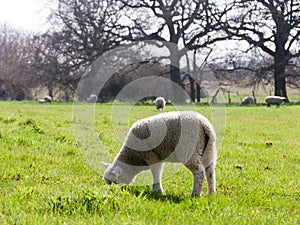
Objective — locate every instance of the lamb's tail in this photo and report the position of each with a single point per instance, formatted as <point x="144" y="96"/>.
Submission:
<point x="209" y="154"/>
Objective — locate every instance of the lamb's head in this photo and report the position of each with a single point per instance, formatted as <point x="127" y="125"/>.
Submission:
<point x="118" y="174"/>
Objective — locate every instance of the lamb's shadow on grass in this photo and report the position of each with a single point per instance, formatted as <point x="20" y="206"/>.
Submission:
<point x="142" y="192"/>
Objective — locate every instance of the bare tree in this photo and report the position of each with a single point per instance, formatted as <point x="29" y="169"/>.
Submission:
<point x="186" y="24"/>
<point x="80" y="34"/>
<point x="51" y="67"/>
<point x="85" y="29"/>
<point x="14" y="58"/>
<point x="271" y="25"/>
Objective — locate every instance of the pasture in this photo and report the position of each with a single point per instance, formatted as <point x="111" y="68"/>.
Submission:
<point x="44" y="178"/>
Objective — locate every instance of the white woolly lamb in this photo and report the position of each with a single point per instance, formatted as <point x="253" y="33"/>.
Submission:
<point x="275" y="100"/>
<point x="92" y="98"/>
<point x="249" y="100"/>
<point x="45" y="99"/>
<point x="186" y="137"/>
<point x="160" y="103"/>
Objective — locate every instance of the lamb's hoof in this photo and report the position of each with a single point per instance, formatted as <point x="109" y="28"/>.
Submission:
<point x="157" y="192"/>
<point x="196" y="195"/>
<point x="211" y="193"/>
<point x="157" y="189"/>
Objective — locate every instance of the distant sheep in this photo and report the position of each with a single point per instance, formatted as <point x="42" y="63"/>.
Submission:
<point x="92" y="98"/>
<point x="185" y="137"/>
<point x="160" y="103"/>
<point x="275" y="100"/>
<point x="249" y="100"/>
<point x="45" y="99"/>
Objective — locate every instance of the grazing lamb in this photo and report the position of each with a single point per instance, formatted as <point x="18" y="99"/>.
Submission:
<point x="160" y="103"/>
<point x="92" y="98"/>
<point x="248" y="100"/>
<point x="185" y="137"/>
<point x="275" y="100"/>
<point x="46" y="99"/>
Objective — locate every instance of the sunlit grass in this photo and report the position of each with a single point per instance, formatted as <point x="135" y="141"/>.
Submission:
<point x="44" y="178"/>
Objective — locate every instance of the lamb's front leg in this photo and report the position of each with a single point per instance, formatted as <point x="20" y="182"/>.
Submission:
<point x="156" y="170"/>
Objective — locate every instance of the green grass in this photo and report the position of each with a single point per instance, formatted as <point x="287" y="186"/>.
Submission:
<point x="44" y="178"/>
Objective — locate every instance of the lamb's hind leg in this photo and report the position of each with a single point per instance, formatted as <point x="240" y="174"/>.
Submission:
<point x="211" y="179"/>
<point x="156" y="170"/>
<point x="198" y="174"/>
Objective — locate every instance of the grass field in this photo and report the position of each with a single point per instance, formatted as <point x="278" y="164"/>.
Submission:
<point x="44" y="178"/>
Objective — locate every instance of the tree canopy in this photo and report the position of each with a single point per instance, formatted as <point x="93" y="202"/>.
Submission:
<point x="271" y="25"/>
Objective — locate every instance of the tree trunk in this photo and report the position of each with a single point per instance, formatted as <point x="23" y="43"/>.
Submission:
<point x="67" y="96"/>
<point x="178" y="95"/>
<point x="191" y="80"/>
<point x="50" y="91"/>
<point x="280" y="86"/>
<point x="279" y="75"/>
<point x="198" y="93"/>
<point x="214" y="98"/>
<point x="192" y="83"/>
<point x="281" y="59"/>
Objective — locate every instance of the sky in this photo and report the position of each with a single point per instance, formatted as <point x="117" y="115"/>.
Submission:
<point x="29" y="15"/>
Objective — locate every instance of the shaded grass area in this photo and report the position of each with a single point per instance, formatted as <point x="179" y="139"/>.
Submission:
<point x="45" y="179"/>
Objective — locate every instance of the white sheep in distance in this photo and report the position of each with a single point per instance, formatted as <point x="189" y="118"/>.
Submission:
<point x="45" y="99"/>
<point x="186" y="137"/>
<point x="160" y="103"/>
<point x="275" y="100"/>
<point x="92" y="98"/>
<point x="249" y="100"/>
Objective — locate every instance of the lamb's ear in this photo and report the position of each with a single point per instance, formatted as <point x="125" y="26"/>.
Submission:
<point x="105" y="164"/>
